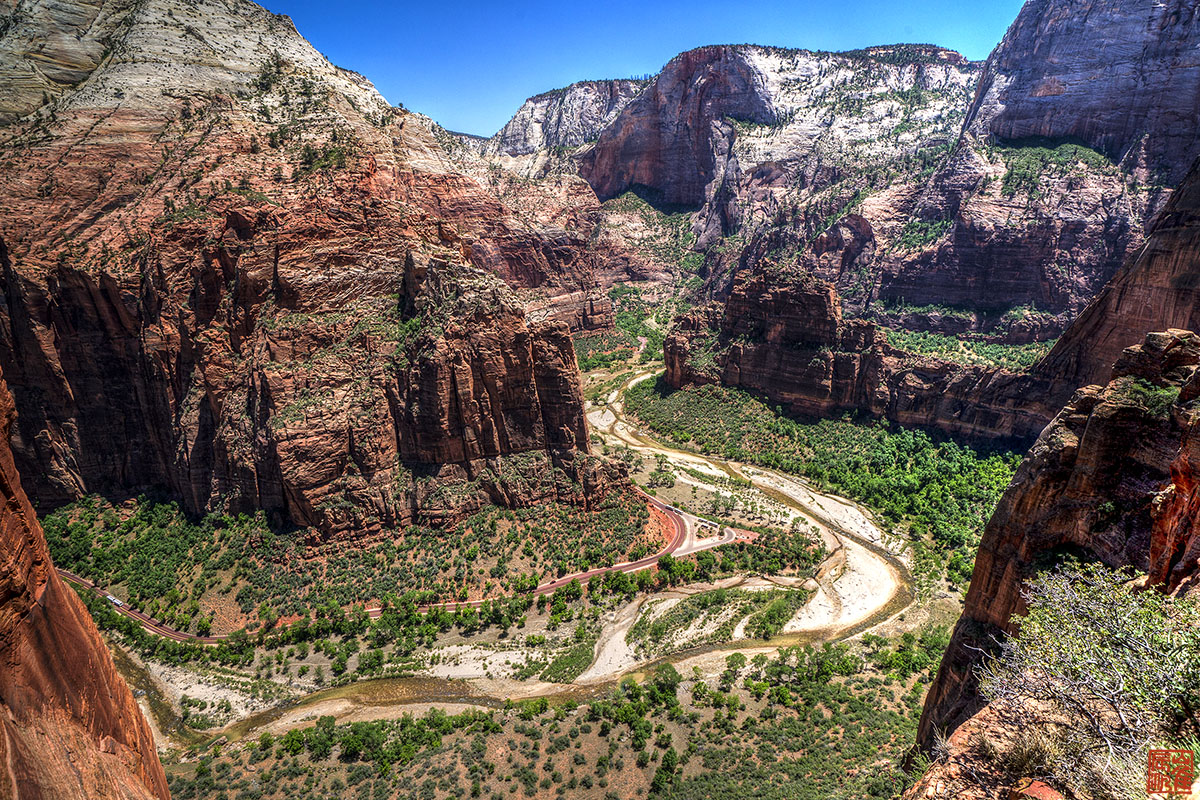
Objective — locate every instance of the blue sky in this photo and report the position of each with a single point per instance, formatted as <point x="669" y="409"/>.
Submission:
<point x="470" y="64"/>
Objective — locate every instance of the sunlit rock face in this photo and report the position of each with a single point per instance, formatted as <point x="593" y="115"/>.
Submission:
<point x="69" y="726"/>
<point x="1111" y="479"/>
<point x="231" y="271"/>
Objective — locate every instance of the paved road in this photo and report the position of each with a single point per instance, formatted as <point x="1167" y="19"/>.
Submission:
<point x="684" y="542"/>
<point x="150" y="624"/>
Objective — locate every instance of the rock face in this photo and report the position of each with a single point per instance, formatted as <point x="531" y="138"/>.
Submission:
<point x="69" y="726"/>
<point x="996" y="244"/>
<point x="1111" y="479"/>
<point x="1013" y="222"/>
<point x="1158" y="288"/>
<point x="781" y="334"/>
<point x="563" y="118"/>
<point x="760" y="138"/>
<point x="233" y="272"/>
<point x="1084" y="119"/>
<point x="1122" y="77"/>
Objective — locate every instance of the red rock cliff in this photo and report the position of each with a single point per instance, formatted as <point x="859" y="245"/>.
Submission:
<point x="69" y="726"/>
<point x="1159" y="288"/>
<point x="781" y="334"/>
<point x="1111" y="479"/>
<point x="231" y="271"/>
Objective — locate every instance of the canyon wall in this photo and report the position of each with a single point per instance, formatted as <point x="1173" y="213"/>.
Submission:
<point x="1121" y="77"/>
<point x="69" y="726"/>
<point x="1159" y="288"/>
<point x="233" y="273"/>
<point x="992" y="247"/>
<point x="1111" y="479"/>
<point x="1084" y="119"/>
<point x="1007" y="225"/>
<point x="781" y="334"/>
<point x="563" y="118"/>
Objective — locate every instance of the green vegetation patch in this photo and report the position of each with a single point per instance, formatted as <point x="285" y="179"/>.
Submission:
<point x="1028" y="164"/>
<point x="178" y="569"/>
<point x="1156" y="400"/>
<point x="1016" y="357"/>
<point x="808" y="724"/>
<point x="919" y="233"/>
<point x="942" y="489"/>
<point x="1117" y="669"/>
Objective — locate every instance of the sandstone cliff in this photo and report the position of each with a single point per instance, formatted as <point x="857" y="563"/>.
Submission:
<point x="1122" y="77"/>
<point x="563" y="118"/>
<point x="756" y="138"/>
<point x="781" y="334"/>
<point x="858" y="164"/>
<point x="1159" y="288"/>
<point x="1111" y="479"/>
<point x="69" y="726"/>
<point x="1084" y="120"/>
<point x="233" y="272"/>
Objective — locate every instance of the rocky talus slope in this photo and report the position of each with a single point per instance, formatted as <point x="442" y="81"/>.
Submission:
<point x="69" y="726"/>
<point x="1111" y="479"/>
<point x="232" y="272"/>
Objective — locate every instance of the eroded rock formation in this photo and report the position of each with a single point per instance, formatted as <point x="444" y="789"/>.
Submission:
<point x="1159" y="288"/>
<point x="231" y="271"/>
<point x="1122" y="77"/>
<point x="69" y="726"/>
<point x="1010" y="225"/>
<point x="781" y="334"/>
<point x="563" y="118"/>
<point x="1111" y="479"/>
<point x="1084" y="120"/>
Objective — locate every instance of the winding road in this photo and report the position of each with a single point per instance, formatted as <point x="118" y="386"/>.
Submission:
<point x="877" y="583"/>
<point x="684" y="542"/>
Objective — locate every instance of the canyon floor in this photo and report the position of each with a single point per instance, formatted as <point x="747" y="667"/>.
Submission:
<point x="863" y="584"/>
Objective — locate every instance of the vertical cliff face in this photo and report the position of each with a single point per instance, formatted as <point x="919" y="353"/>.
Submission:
<point x="563" y="118"/>
<point x="1122" y="77"/>
<point x="1084" y="120"/>
<point x="69" y="726"/>
<point x="757" y="137"/>
<point x="1080" y="126"/>
<point x="1111" y="479"/>
<point x="233" y="272"/>
<point x="667" y="139"/>
<point x="1159" y="287"/>
<point x="781" y="334"/>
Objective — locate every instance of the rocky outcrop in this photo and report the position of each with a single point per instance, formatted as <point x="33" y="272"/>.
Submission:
<point x="1112" y="479"/>
<point x="1121" y="77"/>
<point x="563" y="118"/>
<point x="781" y="334"/>
<point x="69" y="726"/>
<point x="232" y="272"/>
<point x="1159" y="288"/>
<point x="1084" y="120"/>
<point x="664" y="139"/>
<point x="756" y="137"/>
